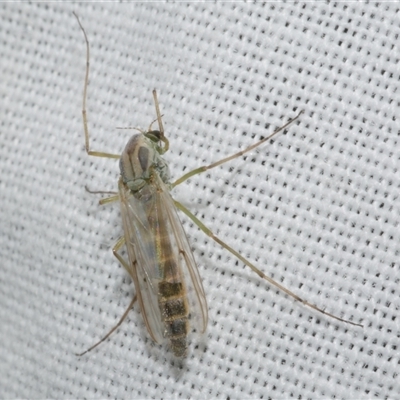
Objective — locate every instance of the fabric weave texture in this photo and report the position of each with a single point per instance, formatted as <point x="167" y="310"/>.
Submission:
<point x="317" y="208"/>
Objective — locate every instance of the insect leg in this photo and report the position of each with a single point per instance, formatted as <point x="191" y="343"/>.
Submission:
<point x="110" y="199"/>
<point x="84" y="114"/>
<point x="106" y="200"/>
<point x="112" y="330"/>
<point x="100" y="191"/>
<point x="233" y="156"/>
<point x="209" y="233"/>
<point x="118" y="245"/>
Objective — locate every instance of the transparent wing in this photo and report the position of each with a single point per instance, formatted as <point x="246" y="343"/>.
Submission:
<point x="154" y="234"/>
<point x="142" y="257"/>
<point x="195" y="292"/>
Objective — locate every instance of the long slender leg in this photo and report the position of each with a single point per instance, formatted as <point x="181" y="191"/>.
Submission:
<point x="100" y="191"/>
<point x="116" y="248"/>
<point x="118" y="245"/>
<point x="112" y="330"/>
<point x="106" y="200"/>
<point x="84" y="114"/>
<point x="209" y="233"/>
<point x="110" y="199"/>
<point x="233" y="156"/>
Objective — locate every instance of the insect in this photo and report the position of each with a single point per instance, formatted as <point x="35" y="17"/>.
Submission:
<point x="160" y="261"/>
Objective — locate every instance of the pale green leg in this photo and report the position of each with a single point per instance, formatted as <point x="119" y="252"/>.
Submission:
<point x="233" y="156"/>
<point x="109" y="200"/>
<point x="209" y="233"/>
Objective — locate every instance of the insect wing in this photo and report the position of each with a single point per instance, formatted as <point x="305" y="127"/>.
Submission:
<point x="195" y="292"/>
<point x="141" y="252"/>
<point x="153" y="233"/>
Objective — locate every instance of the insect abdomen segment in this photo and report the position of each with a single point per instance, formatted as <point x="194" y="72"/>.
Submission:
<point x="174" y="312"/>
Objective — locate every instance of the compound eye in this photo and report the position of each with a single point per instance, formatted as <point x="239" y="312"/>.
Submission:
<point x="154" y="136"/>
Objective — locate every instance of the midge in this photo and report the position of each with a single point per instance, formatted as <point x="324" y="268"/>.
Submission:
<point x="160" y="261"/>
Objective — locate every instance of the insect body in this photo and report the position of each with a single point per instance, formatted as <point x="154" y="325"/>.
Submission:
<point x="161" y="264"/>
<point x="166" y="278"/>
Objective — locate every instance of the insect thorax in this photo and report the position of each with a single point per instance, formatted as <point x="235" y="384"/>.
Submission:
<point x="140" y="159"/>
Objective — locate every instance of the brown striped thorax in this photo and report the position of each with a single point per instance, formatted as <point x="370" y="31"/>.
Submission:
<point x="142" y="157"/>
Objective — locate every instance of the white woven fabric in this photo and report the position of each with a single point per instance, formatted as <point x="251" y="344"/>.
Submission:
<point x="317" y="209"/>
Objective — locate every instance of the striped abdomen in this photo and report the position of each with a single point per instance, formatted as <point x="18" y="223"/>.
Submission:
<point x="174" y="312"/>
